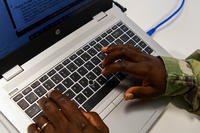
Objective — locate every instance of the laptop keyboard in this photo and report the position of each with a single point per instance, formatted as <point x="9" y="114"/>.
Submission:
<point x="79" y="75"/>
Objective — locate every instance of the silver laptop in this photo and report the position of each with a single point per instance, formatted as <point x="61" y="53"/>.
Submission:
<point x="47" y="45"/>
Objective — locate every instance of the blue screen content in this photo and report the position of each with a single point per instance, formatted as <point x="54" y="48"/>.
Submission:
<point x="19" y="15"/>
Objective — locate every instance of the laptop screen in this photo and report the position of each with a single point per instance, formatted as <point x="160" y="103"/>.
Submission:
<point x="23" y="20"/>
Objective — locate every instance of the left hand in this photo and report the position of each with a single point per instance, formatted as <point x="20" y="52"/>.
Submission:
<point x="63" y="116"/>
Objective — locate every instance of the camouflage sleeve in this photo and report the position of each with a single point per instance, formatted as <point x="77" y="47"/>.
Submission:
<point x="183" y="79"/>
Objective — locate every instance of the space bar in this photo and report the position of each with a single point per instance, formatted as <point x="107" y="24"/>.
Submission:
<point x="100" y="94"/>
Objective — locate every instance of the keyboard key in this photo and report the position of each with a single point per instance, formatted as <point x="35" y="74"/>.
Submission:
<point x="119" y="24"/>
<point x="60" y="88"/>
<point x="142" y="44"/>
<point x="68" y="82"/>
<point x="110" y="38"/>
<point x="104" y="43"/>
<point x="43" y="78"/>
<point x="130" y="33"/>
<point x="117" y="33"/>
<point x="148" y="50"/>
<point x="86" y="47"/>
<point x="92" y="52"/>
<point x="35" y="119"/>
<point x="56" y="78"/>
<point x="72" y="67"/>
<point x="83" y="82"/>
<point x="95" y="60"/>
<point x="114" y="27"/>
<point x="18" y="97"/>
<point x="79" y="61"/>
<point x="89" y="65"/>
<point x="104" y="35"/>
<point x="124" y="38"/>
<point x="108" y="76"/>
<point x="98" y="47"/>
<point x="85" y="56"/>
<point x="48" y="84"/>
<point x="97" y="97"/>
<point x="70" y="94"/>
<point x="87" y="92"/>
<point x="94" y="86"/>
<point x="124" y="28"/>
<point x="79" y="52"/>
<point x="119" y="41"/>
<point x="73" y="57"/>
<point x="40" y="91"/>
<point x="27" y="90"/>
<point x="109" y="31"/>
<point x="23" y="104"/>
<point x="101" y="55"/>
<point x="80" y="98"/>
<point x="82" y="71"/>
<point x="92" y="43"/>
<point x="138" y="47"/>
<point x="77" y="88"/>
<point x="131" y="42"/>
<point x="52" y="72"/>
<point x="31" y="98"/>
<point x="97" y="71"/>
<point x="101" y="80"/>
<point x="64" y="72"/>
<point x="75" y="76"/>
<point x="67" y="61"/>
<point x="33" y="110"/>
<point x="91" y="76"/>
<point x="121" y="76"/>
<point x="35" y="84"/>
<point x="136" y="39"/>
<point x="98" y="39"/>
<point x="59" y="67"/>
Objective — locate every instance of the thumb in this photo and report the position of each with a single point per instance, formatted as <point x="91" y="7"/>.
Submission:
<point x="139" y="92"/>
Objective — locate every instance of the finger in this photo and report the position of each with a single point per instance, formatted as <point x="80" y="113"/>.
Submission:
<point x="119" y="47"/>
<point x="69" y="109"/>
<point x="124" y="53"/>
<point x="140" y="92"/>
<point x="41" y="121"/>
<point x="33" y="129"/>
<point x="137" y="69"/>
<point x="53" y="114"/>
<point x="96" y="121"/>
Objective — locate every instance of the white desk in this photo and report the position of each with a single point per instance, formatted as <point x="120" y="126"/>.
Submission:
<point x="180" y="39"/>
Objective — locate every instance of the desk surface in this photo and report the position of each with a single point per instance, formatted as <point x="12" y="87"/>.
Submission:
<point x="180" y="38"/>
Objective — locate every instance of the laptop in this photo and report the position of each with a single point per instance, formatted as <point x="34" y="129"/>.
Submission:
<point x="48" y="44"/>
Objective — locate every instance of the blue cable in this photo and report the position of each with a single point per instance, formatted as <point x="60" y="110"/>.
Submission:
<point x="153" y="30"/>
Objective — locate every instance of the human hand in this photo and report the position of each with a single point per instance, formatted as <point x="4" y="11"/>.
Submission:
<point x="150" y="69"/>
<point x="63" y="116"/>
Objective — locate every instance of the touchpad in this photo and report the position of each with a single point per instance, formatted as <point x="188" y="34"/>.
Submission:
<point x="6" y="126"/>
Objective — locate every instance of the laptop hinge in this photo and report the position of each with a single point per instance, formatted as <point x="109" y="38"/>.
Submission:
<point x="100" y="16"/>
<point x="12" y="73"/>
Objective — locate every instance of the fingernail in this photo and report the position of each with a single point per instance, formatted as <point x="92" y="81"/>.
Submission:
<point x="104" y="49"/>
<point x="50" y="93"/>
<point x="103" y="71"/>
<point x="129" y="96"/>
<point x="103" y="62"/>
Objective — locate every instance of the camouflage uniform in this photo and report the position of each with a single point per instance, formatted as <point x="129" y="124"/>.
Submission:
<point x="183" y="79"/>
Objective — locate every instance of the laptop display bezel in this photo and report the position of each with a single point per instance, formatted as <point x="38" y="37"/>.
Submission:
<point x="48" y="38"/>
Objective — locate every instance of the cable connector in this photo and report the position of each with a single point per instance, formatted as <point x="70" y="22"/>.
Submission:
<point x="153" y="30"/>
<point x="120" y="6"/>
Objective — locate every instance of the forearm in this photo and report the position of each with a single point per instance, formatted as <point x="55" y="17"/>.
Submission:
<point x="183" y="79"/>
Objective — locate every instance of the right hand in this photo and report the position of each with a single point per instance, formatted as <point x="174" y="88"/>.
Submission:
<point x="150" y="69"/>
